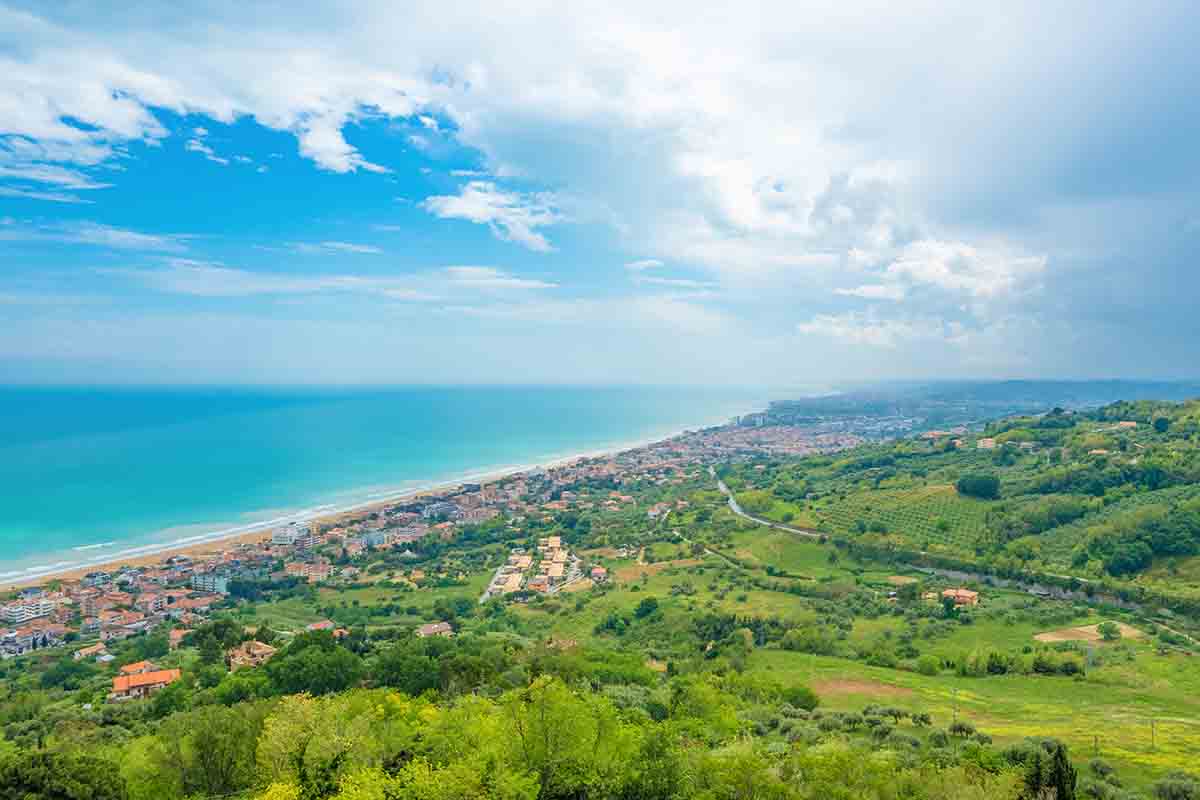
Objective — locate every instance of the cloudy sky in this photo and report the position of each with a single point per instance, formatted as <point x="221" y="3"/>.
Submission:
<point x="778" y="194"/>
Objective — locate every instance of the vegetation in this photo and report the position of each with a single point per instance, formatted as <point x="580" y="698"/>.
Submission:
<point x="723" y="659"/>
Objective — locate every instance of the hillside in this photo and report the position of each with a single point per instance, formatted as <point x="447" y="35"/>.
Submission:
<point x="699" y="653"/>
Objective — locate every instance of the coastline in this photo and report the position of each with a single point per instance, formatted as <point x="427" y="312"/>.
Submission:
<point x="213" y="542"/>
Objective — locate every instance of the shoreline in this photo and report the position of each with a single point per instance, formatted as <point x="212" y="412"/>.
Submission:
<point x="213" y="542"/>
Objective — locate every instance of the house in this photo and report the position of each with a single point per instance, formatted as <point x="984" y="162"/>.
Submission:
<point x="986" y="444"/>
<point x="962" y="597"/>
<point x="326" y="625"/>
<point x="248" y="654"/>
<point x="142" y="684"/>
<point x="93" y="651"/>
<point x="150" y="602"/>
<point x="1127" y="424"/>
<point x="139" y="668"/>
<point x="599" y="574"/>
<point x="435" y="629"/>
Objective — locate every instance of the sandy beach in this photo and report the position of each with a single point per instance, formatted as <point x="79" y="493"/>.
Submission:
<point x="258" y="532"/>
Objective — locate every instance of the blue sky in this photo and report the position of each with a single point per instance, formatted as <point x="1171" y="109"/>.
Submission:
<point x="581" y="193"/>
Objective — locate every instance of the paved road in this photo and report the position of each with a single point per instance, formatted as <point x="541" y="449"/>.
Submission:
<point x="737" y="509"/>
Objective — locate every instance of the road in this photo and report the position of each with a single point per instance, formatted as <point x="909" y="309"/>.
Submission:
<point x="737" y="509"/>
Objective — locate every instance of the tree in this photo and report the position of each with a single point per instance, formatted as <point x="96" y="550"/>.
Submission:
<point x="314" y="663"/>
<point x="1109" y="631"/>
<point x="645" y="608"/>
<point x="985" y="486"/>
<point x="801" y="697"/>
<point x="1161" y="424"/>
<point x="402" y="668"/>
<point x="206" y="752"/>
<point x="45" y="775"/>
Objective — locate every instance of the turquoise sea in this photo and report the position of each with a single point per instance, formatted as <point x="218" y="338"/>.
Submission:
<point x="91" y="475"/>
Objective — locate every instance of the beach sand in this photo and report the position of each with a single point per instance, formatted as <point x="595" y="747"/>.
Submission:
<point x="217" y="545"/>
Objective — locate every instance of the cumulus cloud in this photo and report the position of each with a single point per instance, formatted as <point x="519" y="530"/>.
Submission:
<point x="798" y="157"/>
<point x="512" y="216"/>
<point x="866" y="328"/>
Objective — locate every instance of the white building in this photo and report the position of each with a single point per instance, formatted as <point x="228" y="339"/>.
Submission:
<point x="26" y="610"/>
<point x="294" y="534"/>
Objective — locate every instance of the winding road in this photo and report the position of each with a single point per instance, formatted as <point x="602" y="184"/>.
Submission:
<point x="737" y="509"/>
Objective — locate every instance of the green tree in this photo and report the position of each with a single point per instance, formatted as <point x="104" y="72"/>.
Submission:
<point x="645" y="608"/>
<point x="1109" y="631"/>
<point x="985" y="486"/>
<point x="46" y="775"/>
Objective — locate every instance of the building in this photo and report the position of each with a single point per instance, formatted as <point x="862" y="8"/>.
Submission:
<point x="142" y="684"/>
<point x="294" y="534"/>
<point x="212" y="582"/>
<point x="435" y="629"/>
<point x="440" y="508"/>
<point x="249" y="654"/>
<point x="986" y="444"/>
<point x="962" y="597"/>
<point x="94" y="651"/>
<point x="22" y="611"/>
<point x="139" y="668"/>
<point x="599" y="574"/>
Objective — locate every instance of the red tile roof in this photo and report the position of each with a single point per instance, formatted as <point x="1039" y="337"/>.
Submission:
<point x="126" y="683"/>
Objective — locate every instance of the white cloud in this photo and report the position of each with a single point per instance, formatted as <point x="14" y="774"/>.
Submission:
<point x="676" y="283"/>
<point x="35" y="194"/>
<point x="197" y="146"/>
<point x="774" y="149"/>
<point x="208" y="279"/>
<point x="874" y="292"/>
<point x="49" y="173"/>
<point x="335" y="247"/>
<point x="92" y="233"/>
<point x="965" y="268"/>
<point x="512" y="216"/>
<point x="491" y="278"/>
<point x="643" y="264"/>
<point x="865" y="328"/>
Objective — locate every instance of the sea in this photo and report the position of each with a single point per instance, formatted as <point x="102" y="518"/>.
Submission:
<point x="89" y="476"/>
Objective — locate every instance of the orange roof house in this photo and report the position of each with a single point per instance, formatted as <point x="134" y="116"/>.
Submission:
<point x="143" y="684"/>
<point x="962" y="597"/>
<point x="249" y="654"/>
<point x="138" y="668"/>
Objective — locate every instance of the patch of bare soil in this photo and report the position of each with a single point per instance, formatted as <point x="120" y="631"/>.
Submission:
<point x="872" y="688"/>
<point x="1086" y="633"/>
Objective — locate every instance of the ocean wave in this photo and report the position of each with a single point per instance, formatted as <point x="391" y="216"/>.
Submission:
<point x="94" y="546"/>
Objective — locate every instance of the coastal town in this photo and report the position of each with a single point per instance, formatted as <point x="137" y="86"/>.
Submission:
<point x="181" y="590"/>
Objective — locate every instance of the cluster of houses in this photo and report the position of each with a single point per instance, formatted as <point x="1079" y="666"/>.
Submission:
<point x="106" y="607"/>
<point x="547" y="570"/>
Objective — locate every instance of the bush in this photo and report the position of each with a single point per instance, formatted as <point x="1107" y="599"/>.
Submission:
<point x="985" y="486"/>
<point x="929" y="665"/>
<point x="801" y="697"/>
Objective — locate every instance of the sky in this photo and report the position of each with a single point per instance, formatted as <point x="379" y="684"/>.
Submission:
<point x="769" y="194"/>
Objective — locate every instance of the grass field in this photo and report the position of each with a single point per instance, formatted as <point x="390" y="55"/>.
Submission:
<point x="1107" y="714"/>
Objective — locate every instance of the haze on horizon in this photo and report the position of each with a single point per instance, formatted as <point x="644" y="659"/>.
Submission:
<point x="597" y="192"/>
